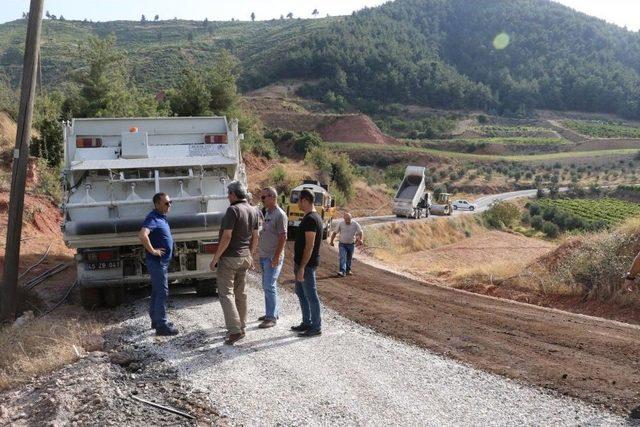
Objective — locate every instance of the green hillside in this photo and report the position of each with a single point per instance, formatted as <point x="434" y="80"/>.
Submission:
<point x="440" y="53"/>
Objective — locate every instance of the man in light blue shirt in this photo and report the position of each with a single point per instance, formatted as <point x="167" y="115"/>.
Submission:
<point x="273" y="237"/>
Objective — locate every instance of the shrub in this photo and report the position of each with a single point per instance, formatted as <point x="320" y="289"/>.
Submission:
<point x="537" y="222"/>
<point x="534" y="209"/>
<point x="502" y="214"/>
<point x="335" y="168"/>
<point x="551" y="230"/>
<point x="280" y="179"/>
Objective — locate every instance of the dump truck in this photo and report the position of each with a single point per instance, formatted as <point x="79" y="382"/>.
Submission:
<point x="412" y="199"/>
<point x="442" y="205"/>
<point x="112" y="169"/>
<point x="324" y="202"/>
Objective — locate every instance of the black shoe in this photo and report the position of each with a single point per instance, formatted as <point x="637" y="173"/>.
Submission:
<point x="154" y="326"/>
<point x="310" y="333"/>
<point x="300" y="328"/>
<point x="166" y="331"/>
<point x="263" y="318"/>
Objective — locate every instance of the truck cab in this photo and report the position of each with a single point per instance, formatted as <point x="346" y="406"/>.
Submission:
<point x="324" y="203"/>
<point x="112" y="169"/>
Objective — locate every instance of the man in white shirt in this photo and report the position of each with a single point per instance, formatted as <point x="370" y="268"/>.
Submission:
<point x="350" y="235"/>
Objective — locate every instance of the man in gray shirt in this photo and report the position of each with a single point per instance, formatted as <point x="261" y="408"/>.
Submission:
<point x="350" y="235"/>
<point x="273" y="237"/>
<point x="237" y="242"/>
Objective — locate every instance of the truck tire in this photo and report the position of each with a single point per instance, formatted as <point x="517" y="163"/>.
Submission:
<point x="113" y="296"/>
<point x="90" y="298"/>
<point x="206" y="288"/>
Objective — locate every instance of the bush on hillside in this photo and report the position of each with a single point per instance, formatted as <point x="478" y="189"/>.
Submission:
<point x="595" y="264"/>
<point x="551" y="230"/>
<point x="502" y="215"/>
<point x="334" y="168"/>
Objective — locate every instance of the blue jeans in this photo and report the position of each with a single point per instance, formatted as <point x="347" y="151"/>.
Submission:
<point x="307" y="292"/>
<point x="159" y="273"/>
<point x="346" y="255"/>
<point x="270" y="287"/>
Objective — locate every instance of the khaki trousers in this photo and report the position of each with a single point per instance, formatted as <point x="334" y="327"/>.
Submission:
<point x="232" y="273"/>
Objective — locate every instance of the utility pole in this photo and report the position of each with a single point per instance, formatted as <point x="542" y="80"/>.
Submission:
<point x="8" y="292"/>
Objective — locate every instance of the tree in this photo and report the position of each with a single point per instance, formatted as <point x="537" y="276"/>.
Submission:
<point x="290" y="15"/>
<point x="156" y="18"/>
<point x="221" y="82"/>
<point x="205" y="23"/>
<point x="104" y="86"/>
<point x="315" y="12"/>
<point x="61" y="18"/>
<point x="143" y="19"/>
<point x="190" y="36"/>
<point x="281" y="17"/>
<point x="253" y="16"/>
<point x="190" y="97"/>
<point x="48" y="144"/>
<point x="47" y="14"/>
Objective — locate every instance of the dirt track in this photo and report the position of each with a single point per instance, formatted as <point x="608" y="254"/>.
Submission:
<point x="592" y="359"/>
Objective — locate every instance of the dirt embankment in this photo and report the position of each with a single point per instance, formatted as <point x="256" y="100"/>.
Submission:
<point x="592" y="359"/>
<point x="331" y="127"/>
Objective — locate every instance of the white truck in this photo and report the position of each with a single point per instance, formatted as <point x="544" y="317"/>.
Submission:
<point x="412" y="199"/>
<point x="112" y="169"/>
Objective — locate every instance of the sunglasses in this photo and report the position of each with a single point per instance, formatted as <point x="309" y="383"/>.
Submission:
<point x="168" y="203"/>
<point x="265" y="197"/>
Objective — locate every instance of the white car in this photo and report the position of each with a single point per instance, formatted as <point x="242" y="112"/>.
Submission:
<point x="463" y="205"/>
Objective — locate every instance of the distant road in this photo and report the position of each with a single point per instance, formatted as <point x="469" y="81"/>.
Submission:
<point x="481" y="204"/>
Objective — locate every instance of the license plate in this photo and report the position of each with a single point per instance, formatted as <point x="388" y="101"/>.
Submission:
<point x="103" y="265"/>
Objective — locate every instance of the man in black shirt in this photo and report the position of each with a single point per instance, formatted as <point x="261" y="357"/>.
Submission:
<point x="306" y="259"/>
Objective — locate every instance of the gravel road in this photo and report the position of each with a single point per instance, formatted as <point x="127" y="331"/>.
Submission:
<point x="348" y="376"/>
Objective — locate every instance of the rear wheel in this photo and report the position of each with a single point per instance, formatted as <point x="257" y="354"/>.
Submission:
<point x="90" y="298"/>
<point x="471" y="208"/>
<point x="206" y="288"/>
<point x="455" y="207"/>
<point x="113" y="296"/>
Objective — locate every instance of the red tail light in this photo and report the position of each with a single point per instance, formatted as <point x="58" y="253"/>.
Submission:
<point x="209" y="247"/>
<point x="88" y="142"/>
<point x="216" y="139"/>
<point x="101" y="255"/>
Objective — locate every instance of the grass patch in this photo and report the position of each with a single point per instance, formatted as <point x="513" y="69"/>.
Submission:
<point x="40" y="346"/>
<point x="515" y="140"/>
<point x="390" y="240"/>
<point x="565" y="155"/>
<point x="511" y="131"/>
<point x="602" y="129"/>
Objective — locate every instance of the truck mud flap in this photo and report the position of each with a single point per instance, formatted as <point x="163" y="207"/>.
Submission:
<point x="203" y="221"/>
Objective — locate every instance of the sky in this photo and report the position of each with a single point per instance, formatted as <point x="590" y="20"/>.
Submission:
<point x="620" y="12"/>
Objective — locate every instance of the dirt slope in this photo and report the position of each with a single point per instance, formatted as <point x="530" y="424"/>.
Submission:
<point x="592" y="359"/>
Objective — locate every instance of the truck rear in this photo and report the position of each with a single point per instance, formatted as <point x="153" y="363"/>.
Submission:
<point x="412" y="200"/>
<point x="112" y="169"/>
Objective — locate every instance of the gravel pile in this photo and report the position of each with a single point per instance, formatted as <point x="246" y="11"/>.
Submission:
<point x="348" y="376"/>
<point x="99" y="390"/>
